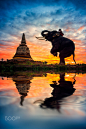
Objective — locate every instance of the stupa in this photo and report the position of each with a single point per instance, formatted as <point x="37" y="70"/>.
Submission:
<point x="22" y="52"/>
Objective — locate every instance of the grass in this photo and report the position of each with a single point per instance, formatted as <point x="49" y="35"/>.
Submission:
<point x="27" y="66"/>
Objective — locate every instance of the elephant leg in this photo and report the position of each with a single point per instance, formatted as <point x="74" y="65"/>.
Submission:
<point x="62" y="60"/>
<point x="54" y="51"/>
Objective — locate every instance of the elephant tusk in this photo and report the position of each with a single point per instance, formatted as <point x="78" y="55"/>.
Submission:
<point x="40" y="38"/>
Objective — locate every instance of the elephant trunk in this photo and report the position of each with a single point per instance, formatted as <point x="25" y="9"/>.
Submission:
<point x="45" y="33"/>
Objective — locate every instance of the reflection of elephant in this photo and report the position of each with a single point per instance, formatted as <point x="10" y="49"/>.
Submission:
<point x="60" y="44"/>
<point x="61" y="90"/>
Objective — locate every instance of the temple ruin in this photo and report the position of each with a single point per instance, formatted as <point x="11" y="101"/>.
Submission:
<point x="22" y="52"/>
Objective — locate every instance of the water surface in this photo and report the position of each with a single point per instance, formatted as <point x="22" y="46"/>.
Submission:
<point x="42" y="102"/>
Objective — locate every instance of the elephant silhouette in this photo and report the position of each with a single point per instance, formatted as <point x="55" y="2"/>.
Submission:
<point x="64" y="46"/>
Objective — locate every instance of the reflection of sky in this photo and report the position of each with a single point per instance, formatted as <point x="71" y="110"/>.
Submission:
<point x="40" y="89"/>
<point x="31" y="17"/>
<point x="72" y="112"/>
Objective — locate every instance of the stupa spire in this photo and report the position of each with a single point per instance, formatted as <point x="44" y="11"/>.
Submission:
<point x="23" y="39"/>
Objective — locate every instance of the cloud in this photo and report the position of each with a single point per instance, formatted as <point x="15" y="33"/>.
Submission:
<point x="31" y="17"/>
<point x="82" y="27"/>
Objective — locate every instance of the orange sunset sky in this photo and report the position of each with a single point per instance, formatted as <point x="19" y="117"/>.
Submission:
<point x="31" y="18"/>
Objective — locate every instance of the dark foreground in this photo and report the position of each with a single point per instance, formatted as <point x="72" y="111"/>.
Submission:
<point x="39" y="66"/>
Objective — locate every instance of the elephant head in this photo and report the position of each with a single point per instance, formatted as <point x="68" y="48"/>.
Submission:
<point x="49" y="35"/>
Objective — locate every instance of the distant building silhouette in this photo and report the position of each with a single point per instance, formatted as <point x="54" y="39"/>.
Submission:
<point x="22" y="52"/>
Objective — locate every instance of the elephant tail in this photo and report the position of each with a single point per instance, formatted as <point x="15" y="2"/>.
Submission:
<point x="74" y="57"/>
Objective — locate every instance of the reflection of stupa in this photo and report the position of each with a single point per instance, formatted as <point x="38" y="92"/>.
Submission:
<point x="23" y="51"/>
<point x="23" y="86"/>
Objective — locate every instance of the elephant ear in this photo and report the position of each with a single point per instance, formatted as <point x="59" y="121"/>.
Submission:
<point x="56" y="34"/>
<point x="44" y="33"/>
